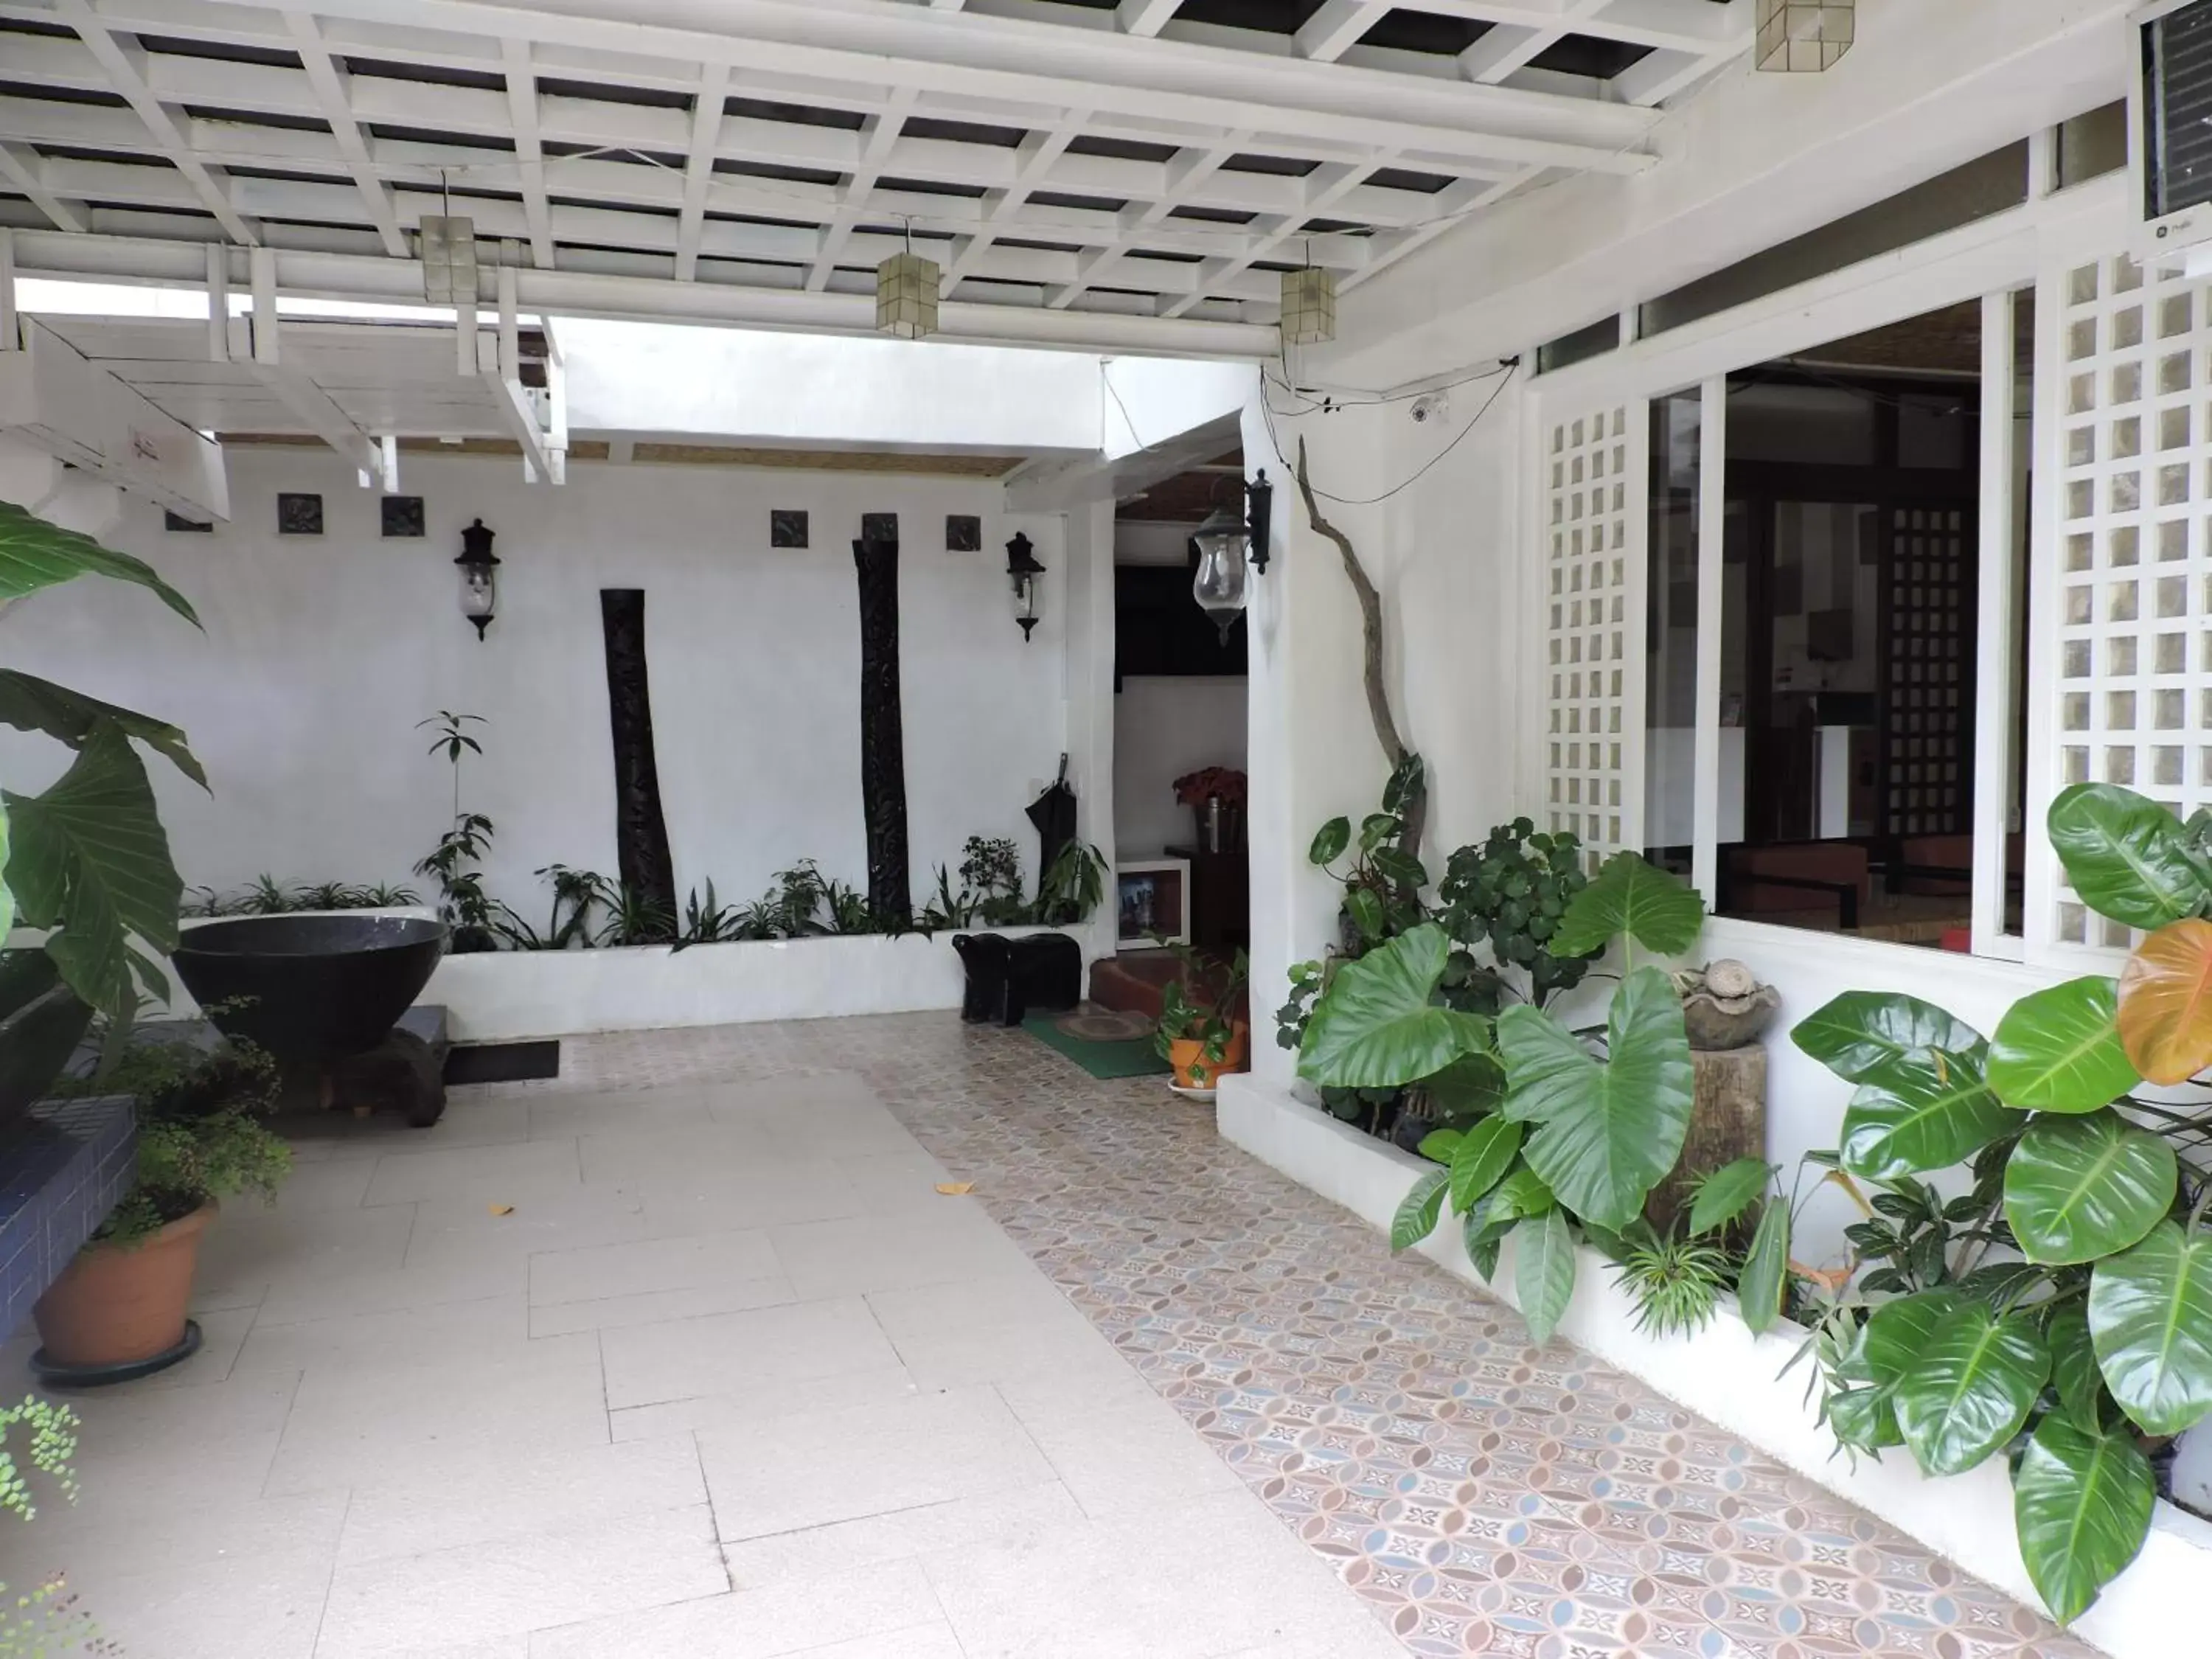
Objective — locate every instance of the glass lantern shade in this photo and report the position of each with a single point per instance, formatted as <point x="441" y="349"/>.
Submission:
<point x="1804" y="37"/>
<point x="1024" y="572"/>
<point x="479" y="568"/>
<point x="906" y="296"/>
<point x="1025" y="602"/>
<point x="1223" y="570"/>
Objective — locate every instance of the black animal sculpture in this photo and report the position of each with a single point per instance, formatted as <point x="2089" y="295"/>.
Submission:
<point x="1006" y="978"/>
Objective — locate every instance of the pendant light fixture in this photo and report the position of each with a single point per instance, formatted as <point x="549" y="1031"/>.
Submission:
<point x="1231" y="547"/>
<point x="479" y="568"/>
<point x="1804" y="37"/>
<point x="906" y="293"/>
<point x="1024" y="573"/>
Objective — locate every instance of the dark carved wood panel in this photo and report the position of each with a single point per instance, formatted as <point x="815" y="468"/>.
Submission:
<point x="1928" y="730"/>
<point x="883" y="739"/>
<point x="640" y="831"/>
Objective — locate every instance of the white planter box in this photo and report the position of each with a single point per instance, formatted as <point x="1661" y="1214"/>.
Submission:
<point x="1731" y="1378"/>
<point x="497" y="996"/>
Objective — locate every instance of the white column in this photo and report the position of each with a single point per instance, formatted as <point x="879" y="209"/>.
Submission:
<point x="1087" y="589"/>
<point x="1712" y="530"/>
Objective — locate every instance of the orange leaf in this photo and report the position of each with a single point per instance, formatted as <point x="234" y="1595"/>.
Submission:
<point x="955" y="1188"/>
<point x="2165" y="1003"/>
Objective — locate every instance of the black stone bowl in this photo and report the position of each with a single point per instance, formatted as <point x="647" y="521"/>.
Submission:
<point x="310" y="989"/>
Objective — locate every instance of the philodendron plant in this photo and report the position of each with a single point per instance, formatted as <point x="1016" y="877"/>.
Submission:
<point x="2070" y="1329"/>
<point x="87" y="858"/>
<point x="1570" y="1129"/>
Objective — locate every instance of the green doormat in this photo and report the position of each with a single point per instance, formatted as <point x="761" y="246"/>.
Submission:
<point x="1129" y="1057"/>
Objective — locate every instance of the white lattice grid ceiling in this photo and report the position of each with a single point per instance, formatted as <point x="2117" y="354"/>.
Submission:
<point x="1594" y="666"/>
<point x="2130" y="687"/>
<point x="1167" y="157"/>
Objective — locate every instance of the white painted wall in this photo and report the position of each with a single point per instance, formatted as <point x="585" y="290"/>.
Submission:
<point x="1166" y="727"/>
<point x="321" y="654"/>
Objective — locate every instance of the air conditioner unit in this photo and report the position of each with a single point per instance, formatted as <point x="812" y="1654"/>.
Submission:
<point x="2170" y="121"/>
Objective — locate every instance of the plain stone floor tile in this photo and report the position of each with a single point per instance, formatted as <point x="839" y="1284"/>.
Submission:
<point x="1109" y="1591"/>
<point x="251" y="1605"/>
<point x="681" y="1204"/>
<point x="667" y="1264"/>
<point x="639" y="1111"/>
<point x="479" y="1495"/>
<point x="336" y="1184"/>
<point x="1120" y="1448"/>
<point x="781" y="1620"/>
<point x="249" y="1249"/>
<point x="790" y="1345"/>
<point x="1012" y="1514"/>
<point x="348" y="1427"/>
<point x="894" y="1252"/>
<point x="390" y="1290"/>
<point x="922" y="1642"/>
<point x="1000" y="1328"/>
<point x="474" y="1120"/>
<point x="751" y="1407"/>
<point x="625" y="1154"/>
<point x="657" y="1307"/>
<point x="487" y="1175"/>
<point x="842" y="1465"/>
<point x="461" y="1231"/>
<point x="898" y="1180"/>
<point x="154" y="1451"/>
<point x="806" y="1095"/>
<point x="509" y="1586"/>
<point x="389" y="1339"/>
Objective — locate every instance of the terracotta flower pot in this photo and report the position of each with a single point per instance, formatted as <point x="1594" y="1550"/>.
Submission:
<point x="1188" y="1056"/>
<point x="117" y="1304"/>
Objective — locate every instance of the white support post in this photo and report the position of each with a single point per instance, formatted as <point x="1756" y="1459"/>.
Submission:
<point x="1712" y="530"/>
<point x="9" y="340"/>
<point x="1996" y="660"/>
<point x="306" y="400"/>
<point x="218" y="293"/>
<point x="504" y="369"/>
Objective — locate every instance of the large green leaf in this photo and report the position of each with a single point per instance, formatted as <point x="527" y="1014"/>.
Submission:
<point x="1971" y="1387"/>
<point x="1861" y="1033"/>
<point x="1544" y="1272"/>
<point x="1765" y="1270"/>
<point x="88" y="857"/>
<point x="7" y="895"/>
<point x="2128" y="857"/>
<point x="1522" y="1193"/>
<point x="1897" y="1332"/>
<point x="2079" y="1187"/>
<point x="1420" y="1211"/>
<point x="1479" y="1161"/>
<point x="2073" y="1371"/>
<point x="1924" y="1111"/>
<point x="34" y="554"/>
<point x="1471" y="1084"/>
<point x="1377" y="1026"/>
<point x="1660" y="912"/>
<point x="2082" y="1504"/>
<point x="2059" y="1050"/>
<point x="1609" y="1131"/>
<point x="2150" y="1316"/>
<point x="1864" y="1418"/>
<point x="1726" y="1193"/>
<point x="31" y="704"/>
<point x="1330" y="841"/>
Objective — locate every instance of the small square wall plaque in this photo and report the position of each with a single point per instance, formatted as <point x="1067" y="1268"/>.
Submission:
<point x="402" y="514"/>
<point x="963" y="533"/>
<point x="880" y="526"/>
<point x="299" y="515"/>
<point x="172" y="521"/>
<point x="785" y="528"/>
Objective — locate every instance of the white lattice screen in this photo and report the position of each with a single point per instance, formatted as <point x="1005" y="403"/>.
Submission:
<point x="2124" y="682"/>
<point x="1597" y="485"/>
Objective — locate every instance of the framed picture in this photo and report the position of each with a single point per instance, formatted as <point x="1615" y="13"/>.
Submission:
<point x="1153" y="900"/>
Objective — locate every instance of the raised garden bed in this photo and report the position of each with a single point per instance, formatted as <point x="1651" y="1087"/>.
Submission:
<point x="1732" y="1378"/>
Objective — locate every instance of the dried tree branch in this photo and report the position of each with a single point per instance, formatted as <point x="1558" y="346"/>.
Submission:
<point x="1371" y="629"/>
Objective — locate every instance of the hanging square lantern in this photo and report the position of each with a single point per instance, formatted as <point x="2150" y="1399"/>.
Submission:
<point x="1804" y="37"/>
<point x="906" y="296"/>
<point x="447" y="243"/>
<point x="1308" y="306"/>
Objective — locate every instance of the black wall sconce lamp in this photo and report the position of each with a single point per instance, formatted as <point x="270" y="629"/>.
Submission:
<point x="1022" y="571"/>
<point x="479" y="568"/>
<point x="1228" y="546"/>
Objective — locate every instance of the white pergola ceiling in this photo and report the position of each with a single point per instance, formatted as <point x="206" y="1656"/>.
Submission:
<point x="1156" y="158"/>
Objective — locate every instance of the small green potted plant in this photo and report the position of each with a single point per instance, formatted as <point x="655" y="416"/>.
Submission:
<point x="119" y="1308"/>
<point x="1204" y="1029"/>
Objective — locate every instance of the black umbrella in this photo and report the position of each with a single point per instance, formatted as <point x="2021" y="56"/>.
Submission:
<point x="1054" y="814"/>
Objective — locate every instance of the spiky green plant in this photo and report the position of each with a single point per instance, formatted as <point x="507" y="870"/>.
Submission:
<point x="1677" y="1282"/>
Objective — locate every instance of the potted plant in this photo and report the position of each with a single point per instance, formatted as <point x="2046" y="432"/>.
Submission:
<point x="118" y="1309"/>
<point x="1204" y="1031"/>
<point x="1215" y="795"/>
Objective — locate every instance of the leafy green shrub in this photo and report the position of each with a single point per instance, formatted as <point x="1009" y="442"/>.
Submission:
<point x="1512" y="892"/>
<point x="200" y="1133"/>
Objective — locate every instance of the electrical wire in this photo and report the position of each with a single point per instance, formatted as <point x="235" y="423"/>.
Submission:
<point x="1512" y="369"/>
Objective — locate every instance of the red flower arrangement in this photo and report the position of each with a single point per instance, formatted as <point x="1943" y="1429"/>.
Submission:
<point x="1196" y="788"/>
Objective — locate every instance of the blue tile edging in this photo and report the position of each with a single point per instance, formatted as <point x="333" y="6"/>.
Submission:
<point x="64" y="1165"/>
